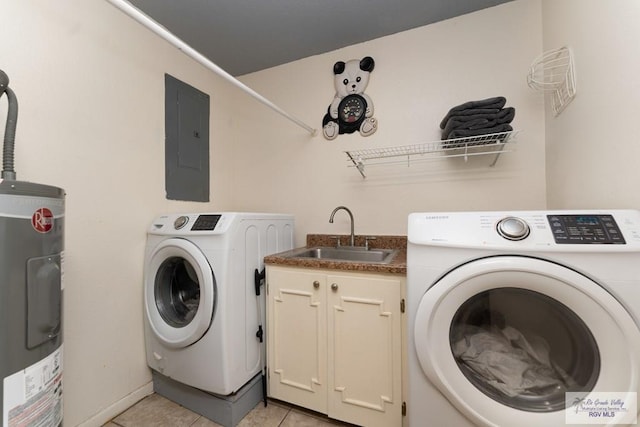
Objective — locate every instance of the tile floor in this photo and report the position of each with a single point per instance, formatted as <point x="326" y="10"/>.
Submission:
<point x="157" y="411"/>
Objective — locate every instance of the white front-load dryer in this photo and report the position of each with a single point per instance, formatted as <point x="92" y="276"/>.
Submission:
<point x="203" y="318"/>
<point x="523" y="318"/>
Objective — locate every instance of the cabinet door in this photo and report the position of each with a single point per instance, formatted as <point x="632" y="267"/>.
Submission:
<point x="297" y="337"/>
<point x="365" y="350"/>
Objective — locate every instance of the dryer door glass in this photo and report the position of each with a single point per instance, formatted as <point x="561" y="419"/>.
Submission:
<point x="524" y="349"/>
<point x="177" y="291"/>
<point x="503" y="337"/>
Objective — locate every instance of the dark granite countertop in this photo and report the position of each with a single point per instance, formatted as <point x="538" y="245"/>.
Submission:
<point x="397" y="266"/>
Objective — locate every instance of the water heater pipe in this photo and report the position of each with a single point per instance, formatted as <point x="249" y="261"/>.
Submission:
<point x="8" y="171"/>
<point x="145" y="20"/>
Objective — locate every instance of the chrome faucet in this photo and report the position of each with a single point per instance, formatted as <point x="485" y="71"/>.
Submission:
<point x="353" y="239"/>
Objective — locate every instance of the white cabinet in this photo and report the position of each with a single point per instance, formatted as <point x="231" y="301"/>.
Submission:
<point x="334" y="343"/>
<point x="297" y="337"/>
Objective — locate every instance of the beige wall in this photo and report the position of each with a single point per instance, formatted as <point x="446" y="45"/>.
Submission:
<point x="90" y="82"/>
<point x="592" y="147"/>
<point x="419" y="75"/>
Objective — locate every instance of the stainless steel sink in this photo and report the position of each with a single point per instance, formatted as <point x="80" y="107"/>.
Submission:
<point x="347" y="254"/>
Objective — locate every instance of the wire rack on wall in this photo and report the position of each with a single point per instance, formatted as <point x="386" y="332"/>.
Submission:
<point x="495" y="144"/>
<point x="554" y="72"/>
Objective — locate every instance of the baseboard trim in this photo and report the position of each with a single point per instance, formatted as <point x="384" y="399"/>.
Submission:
<point x="118" y="407"/>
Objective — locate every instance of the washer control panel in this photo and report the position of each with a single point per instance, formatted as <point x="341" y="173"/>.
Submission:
<point x="206" y="223"/>
<point x="193" y="224"/>
<point x="180" y="222"/>
<point x="585" y="229"/>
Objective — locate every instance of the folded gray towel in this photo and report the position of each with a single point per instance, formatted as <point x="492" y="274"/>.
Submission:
<point x="504" y="115"/>
<point x="469" y="112"/>
<point x="469" y="125"/>
<point x="489" y="103"/>
<point x="477" y="121"/>
<point x="463" y="133"/>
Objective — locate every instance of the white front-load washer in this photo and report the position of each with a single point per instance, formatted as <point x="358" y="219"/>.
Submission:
<point x="522" y="318"/>
<point x="202" y="313"/>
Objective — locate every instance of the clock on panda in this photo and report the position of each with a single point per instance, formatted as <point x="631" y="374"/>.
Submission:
<point x="351" y="112"/>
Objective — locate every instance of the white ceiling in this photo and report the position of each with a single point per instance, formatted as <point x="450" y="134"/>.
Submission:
<point x="243" y="36"/>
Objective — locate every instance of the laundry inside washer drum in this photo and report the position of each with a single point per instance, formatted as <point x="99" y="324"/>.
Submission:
<point x="177" y="291"/>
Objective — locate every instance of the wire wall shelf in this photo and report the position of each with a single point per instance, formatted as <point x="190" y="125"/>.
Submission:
<point x="489" y="144"/>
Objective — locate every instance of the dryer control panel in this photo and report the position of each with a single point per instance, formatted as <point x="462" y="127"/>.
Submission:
<point x="585" y="229"/>
<point x="570" y="230"/>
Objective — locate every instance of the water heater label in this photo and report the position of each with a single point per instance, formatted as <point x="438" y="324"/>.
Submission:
<point x="33" y="396"/>
<point x="42" y="220"/>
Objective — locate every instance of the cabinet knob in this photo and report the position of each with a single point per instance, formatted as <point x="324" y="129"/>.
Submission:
<point x="316" y="284"/>
<point x="334" y="287"/>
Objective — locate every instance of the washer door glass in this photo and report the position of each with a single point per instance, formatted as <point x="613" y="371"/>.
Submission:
<point x="177" y="291"/>
<point x="180" y="293"/>
<point x="503" y="338"/>
<point x="523" y="348"/>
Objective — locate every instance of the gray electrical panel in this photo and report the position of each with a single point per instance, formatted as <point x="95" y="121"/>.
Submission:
<point x="186" y="142"/>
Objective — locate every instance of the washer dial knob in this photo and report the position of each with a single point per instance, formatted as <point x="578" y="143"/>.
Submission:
<point x="180" y="222"/>
<point x="513" y="228"/>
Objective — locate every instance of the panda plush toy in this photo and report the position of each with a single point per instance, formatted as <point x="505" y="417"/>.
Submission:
<point x="351" y="109"/>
